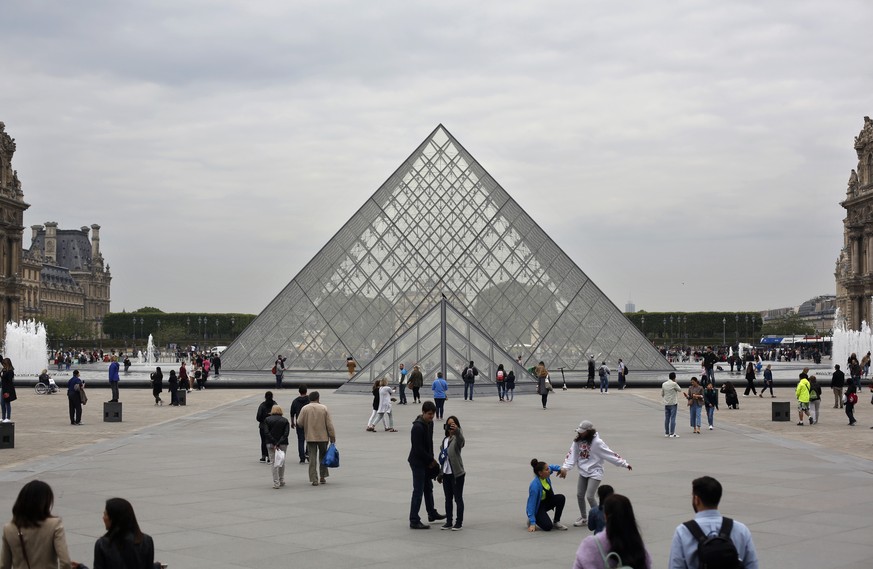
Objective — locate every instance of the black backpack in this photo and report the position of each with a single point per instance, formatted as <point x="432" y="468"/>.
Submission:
<point x="715" y="551"/>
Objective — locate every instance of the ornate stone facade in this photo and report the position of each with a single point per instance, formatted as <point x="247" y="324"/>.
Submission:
<point x="62" y="274"/>
<point x="12" y="208"/>
<point x="854" y="270"/>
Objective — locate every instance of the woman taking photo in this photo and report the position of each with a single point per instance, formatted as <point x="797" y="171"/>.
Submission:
<point x="541" y="498"/>
<point x="622" y="538"/>
<point x="452" y="472"/>
<point x="35" y="538"/>
<point x="124" y="545"/>
<point x="587" y="454"/>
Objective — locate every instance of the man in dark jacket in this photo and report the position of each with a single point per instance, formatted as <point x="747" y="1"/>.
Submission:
<point x="422" y="463"/>
<point x="296" y="406"/>
<point x="838" y="381"/>
<point x="469" y="376"/>
<point x="263" y="412"/>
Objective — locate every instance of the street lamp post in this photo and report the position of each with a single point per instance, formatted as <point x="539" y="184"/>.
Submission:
<point x="142" y="327"/>
<point x="134" y="329"/>
<point x="737" y="318"/>
<point x="671" y="328"/>
<point x="199" y="325"/>
<point x="685" y="322"/>
<point x="747" y="326"/>
<point x="644" y="325"/>
<point x="100" y="331"/>
<point x="216" y="327"/>
<point x="205" y="326"/>
<point x="665" y="328"/>
<point x="723" y="339"/>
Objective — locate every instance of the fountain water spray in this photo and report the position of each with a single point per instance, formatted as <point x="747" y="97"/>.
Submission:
<point x="26" y="346"/>
<point x="150" y="357"/>
<point x="845" y="342"/>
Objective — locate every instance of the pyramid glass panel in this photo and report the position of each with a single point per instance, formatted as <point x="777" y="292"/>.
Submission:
<point x="440" y="226"/>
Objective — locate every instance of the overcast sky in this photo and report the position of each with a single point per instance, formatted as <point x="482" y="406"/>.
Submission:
<point x="688" y="155"/>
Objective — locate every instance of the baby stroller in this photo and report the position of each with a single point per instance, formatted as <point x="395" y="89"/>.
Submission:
<point x="45" y="385"/>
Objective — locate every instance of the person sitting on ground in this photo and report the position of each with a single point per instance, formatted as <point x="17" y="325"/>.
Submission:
<point x="621" y="539"/>
<point x="542" y="498"/>
<point x="730" y="395"/>
<point x="596" y="520"/>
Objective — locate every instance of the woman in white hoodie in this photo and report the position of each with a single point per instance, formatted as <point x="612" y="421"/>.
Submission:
<point x="587" y="453"/>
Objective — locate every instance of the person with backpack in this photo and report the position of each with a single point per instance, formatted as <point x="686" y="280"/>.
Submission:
<point x="469" y="376"/>
<point x="264" y="410"/>
<point x="510" y="386"/>
<point x="500" y="379"/>
<point x="621" y="545"/>
<point x="622" y="372"/>
<point x="604" y="378"/>
<point x="710" y="539"/>
<point x="849" y="405"/>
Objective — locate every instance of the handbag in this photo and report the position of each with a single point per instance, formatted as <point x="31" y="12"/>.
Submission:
<point x="279" y="458"/>
<point x="331" y="457"/>
<point x="82" y="395"/>
<point x="611" y="555"/>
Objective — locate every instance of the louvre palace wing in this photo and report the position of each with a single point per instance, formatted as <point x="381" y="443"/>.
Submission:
<point x="440" y="225"/>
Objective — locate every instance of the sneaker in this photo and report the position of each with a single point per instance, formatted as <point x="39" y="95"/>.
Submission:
<point x="800" y="424"/>
<point x="674" y="436"/>
<point x="559" y="526"/>
<point x="811" y="421"/>
<point x="580" y="522"/>
<point x="447" y="525"/>
<point x="710" y="427"/>
<point x="438" y="516"/>
<point x="263" y="459"/>
<point x="666" y="434"/>
<point x="457" y="527"/>
<point x="275" y="486"/>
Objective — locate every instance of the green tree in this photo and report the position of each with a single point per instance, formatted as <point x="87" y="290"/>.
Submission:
<point x="789" y="325"/>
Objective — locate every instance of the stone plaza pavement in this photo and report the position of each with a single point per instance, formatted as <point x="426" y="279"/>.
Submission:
<point x="194" y="479"/>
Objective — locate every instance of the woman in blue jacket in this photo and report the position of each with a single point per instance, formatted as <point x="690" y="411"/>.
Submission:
<point x="542" y="498"/>
<point x="439" y="387"/>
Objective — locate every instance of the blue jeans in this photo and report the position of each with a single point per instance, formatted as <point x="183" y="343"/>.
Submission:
<point x="6" y="407"/>
<point x="440" y="407"/>
<point x="604" y="384"/>
<point x="422" y="486"/>
<point x="670" y="419"/>
<point x="695" y="416"/>
<point x="403" y="394"/>
<point x="466" y="387"/>
<point x="710" y="414"/>
<point x="301" y="443"/>
<point x="501" y="390"/>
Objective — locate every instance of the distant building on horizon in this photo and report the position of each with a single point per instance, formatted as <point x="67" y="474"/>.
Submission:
<point x="817" y="311"/>
<point x="854" y="270"/>
<point x="630" y="306"/>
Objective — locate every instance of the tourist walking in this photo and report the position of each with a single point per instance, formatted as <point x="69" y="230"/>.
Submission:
<point x="275" y="430"/>
<point x="541" y="499"/>
<point x="371" y="422"/>
<point x="301" y="401"/>
<point x="588" y="453"/>
<point x="750" y="380"/>
<point x="621" y="374"/>
<point x="768" y="382"/>
<point x="621" y="539"/>
<point x="318" y="430"/>
<point x="510" y="386"/>
<point x="123" y="545"/>
<point x="75" y="397"/>
<point x="351" y="364"/>
<point x="157" y="385"/>
<point x="802" y="394"/>
<point x="695" y="404"/>
<point x="814" y="399"/>
<point x="706" y="494"/>
<point x="7" y="390"/>
<point x="838" y="381"/>
<point x="416" y="381"/>
<point x="469" y="375"/>
<point x="279" y="370"/>
<point x="440" y="387"/>
<point x="264" y="410"/>
<point x="591" y="370"/>
<point x="114" y="378"/>
<point x="402" y="381"/>
<point x="542" y="375"/>
<point x="854" y="371"/>
<point x="710" y="401"/>
<point x="184" y="380"/>
<point x="500" y="379"/>
<point x="173" y="386"/>
<point x="851" y="400"/>
<point x="34" y="538"/>
<point x="452" y="473"/>
<point x="604" y="378"/>
<point x="670" y="391"/>
<point x="383" y="411"/>
<point x="424" y="467"/>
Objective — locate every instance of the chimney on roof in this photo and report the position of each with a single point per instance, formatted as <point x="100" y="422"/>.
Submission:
<point x="95" y="242"/>
<point x="51" y="242"/>
<point x="34" y="232"/>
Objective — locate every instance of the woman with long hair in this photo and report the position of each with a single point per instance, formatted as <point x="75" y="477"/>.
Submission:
<point x="750" y="380"/>
<point x="452" y="473"/>
<point x="541" y="498"/>
<point x="695" y="403"/>
<point x="173" y="383"/>
<point x="35" y="538"/>
<point x="587" y="453"/>
<point x="500" y="379"/>
<point x="157" y="385"/>
<point x="416" y="380"/>
<point x="371" y="422"/>
<point x="7" y="390"/>
<point x="621" y="538"/>
<point x="383" y="411"/>
<point x="124" y="545"/>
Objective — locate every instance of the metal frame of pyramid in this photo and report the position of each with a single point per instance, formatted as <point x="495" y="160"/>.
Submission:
<point x="440" y="226"/>
<point x="442" y="340"/>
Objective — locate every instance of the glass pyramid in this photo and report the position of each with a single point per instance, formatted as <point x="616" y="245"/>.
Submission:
<point x="440" y="225"/>
<point x="443" y="340"/>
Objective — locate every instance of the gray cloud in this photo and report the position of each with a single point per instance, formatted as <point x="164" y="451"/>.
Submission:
<point x="220" y="144"/>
